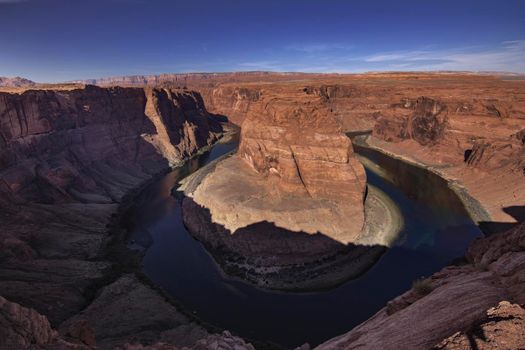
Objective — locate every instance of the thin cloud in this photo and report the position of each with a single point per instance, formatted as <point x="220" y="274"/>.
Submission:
<point x="509" y="56"/>
<point x="318" y="47"/>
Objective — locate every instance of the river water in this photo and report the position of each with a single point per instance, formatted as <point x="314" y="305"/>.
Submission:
<point x="433" y="235"/>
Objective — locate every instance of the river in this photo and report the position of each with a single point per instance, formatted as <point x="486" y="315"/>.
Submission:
<point x="433" y="235"/>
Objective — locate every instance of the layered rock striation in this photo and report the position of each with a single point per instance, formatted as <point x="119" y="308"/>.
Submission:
<point x="467" y="127"/>
<point x="69" y="159"/>
<point x="290" y="204"/>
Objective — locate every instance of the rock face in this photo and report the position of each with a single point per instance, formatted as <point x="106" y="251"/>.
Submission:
<point x="20" y="327"/>
<point x="303" y="147"/>
<point x="61" y="146"/>
<point x="503" y="328"/>
<point x="426" y="124"/>
<point x="457" y="298"/>
<point x="68" y="159"/>
<point x="292" y="195"/>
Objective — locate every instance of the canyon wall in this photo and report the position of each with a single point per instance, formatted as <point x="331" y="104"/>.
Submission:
<point x="292" y="197"/>
<point x="469" y="130"/>
<point x="69" y="159"/>
<point x="467" y="127"/>
<point x="90" y="145"/>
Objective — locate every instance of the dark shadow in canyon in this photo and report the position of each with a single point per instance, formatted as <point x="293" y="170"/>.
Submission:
<point x="492" y="227"/>
<point x="62" y="218"/>
<point x="219" y="118"/>
<point x="306" y="261"/>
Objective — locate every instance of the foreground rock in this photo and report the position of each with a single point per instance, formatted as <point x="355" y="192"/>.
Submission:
<point x="23" y="328"/>
<point x="503" y="328"/>
<point x="465" y="299"/>
<point x="68" y="160"/>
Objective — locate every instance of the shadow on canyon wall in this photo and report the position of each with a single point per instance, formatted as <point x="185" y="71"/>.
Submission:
<point x="62" y="182"/>
<point x="492" y="227"/>
<point x="219" y="118"/>
<point x="304" y="260"/>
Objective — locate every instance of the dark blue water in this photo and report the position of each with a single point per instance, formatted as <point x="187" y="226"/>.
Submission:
<point x="431" y="238"/>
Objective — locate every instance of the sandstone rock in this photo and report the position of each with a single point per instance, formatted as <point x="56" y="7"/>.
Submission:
<point x="304" y="148"/>
<point x="426" y="124"/>
<point x="22" y="327"/>
<point x="223" y="341"/>
<point x="82" y="331"/>
<point x="128" y="311"/>
<point x="68" y="159"/>
<point x="503" y="328"/>
<point x="458" y="301"/>
<point x="292" y="196"/>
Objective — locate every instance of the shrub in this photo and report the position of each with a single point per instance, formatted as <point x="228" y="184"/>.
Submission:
<point x="422" y="286"/>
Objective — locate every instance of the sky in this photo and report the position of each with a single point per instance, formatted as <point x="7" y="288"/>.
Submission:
<point x="61" y="40"/>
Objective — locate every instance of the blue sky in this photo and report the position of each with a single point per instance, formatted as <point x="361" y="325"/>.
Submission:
<point x="58" y="40"/>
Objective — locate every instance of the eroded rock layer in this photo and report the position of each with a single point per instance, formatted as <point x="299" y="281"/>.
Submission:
<point x="292" y="195"/>
<point x="467" y="127"/>
<point x="68" y="160"/>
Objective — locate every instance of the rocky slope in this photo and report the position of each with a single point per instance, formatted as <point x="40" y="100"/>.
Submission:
<point x="475" y="305"/>
<point x="68" y="160"/>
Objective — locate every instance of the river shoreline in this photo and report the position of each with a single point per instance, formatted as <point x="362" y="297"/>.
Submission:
<point x="130" y="261"/>
<point x="126" y="260"/>
<point x="473" y="207"/>
<point x="383" y="223"/>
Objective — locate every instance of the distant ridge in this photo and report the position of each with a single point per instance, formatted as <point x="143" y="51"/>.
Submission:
<point x="212" y="78"/>
<point x="183" y="79"/>
<point x="16" y="82"/>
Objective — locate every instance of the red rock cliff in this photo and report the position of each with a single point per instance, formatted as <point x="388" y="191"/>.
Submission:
<point x="92" y="144"/>
<point x="68" y="158"/>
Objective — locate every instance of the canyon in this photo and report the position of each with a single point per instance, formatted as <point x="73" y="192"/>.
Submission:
<point x="72" y="159"/>
<point x="69" y="160"/>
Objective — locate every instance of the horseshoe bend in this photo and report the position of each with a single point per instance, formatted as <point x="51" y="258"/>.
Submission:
<point x="350" y="178"/>
<point x="315" y="193"/>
